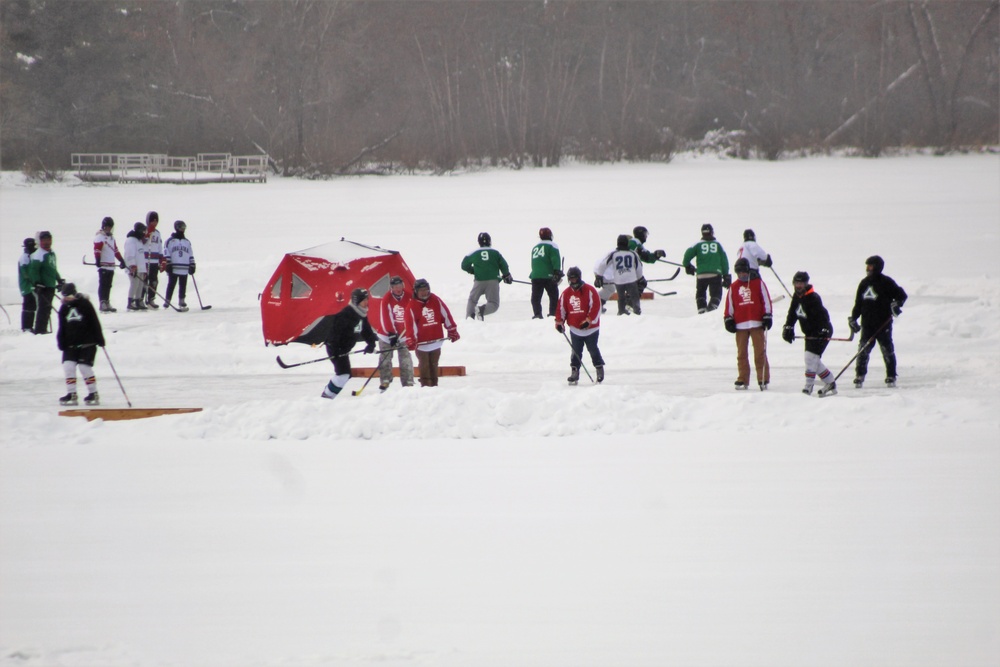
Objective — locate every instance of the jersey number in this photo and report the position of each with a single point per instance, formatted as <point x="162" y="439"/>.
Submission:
<point x="623" y="263"/>
<point x="709" y="248"/>
<point x="539" y="251"/>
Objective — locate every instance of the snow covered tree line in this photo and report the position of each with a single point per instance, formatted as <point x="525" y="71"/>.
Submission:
<point x="332" y="87"/>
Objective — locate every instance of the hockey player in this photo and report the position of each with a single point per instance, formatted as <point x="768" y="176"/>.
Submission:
<point x="428" y="323"/>
<point x="153" y="247"/>
<point x="627" y="269"/>
<point x="546" y="272"/>
<point x="747" y="314"/>
<point x="28" y="302"/>
<point x="135" y="260"/>
<point x="79" y="335"/>
<point x="390" y="327"/>
<point x="814" y="321"/>
<point x="580" y="310"/>
<point x="488" y="268"/>
<point x="638" y="244"/>
<point x="753" y="253"/>
<point x="178" y="263"/>
<point x="105" y="254"/>
<point x="712" y="270"/>
<point x="43" y="272"/>
<point x="879" y="299"/>
<point x="347" y="328"/>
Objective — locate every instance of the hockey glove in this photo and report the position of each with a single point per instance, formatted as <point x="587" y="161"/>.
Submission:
<point x="660" y="254"/>
<point x="642" y="282"/>
<point x="557" y="276"/>
<point x="507" y="279"/>
<point x="598" y="282"/>
<point x="688" y="269"/>
<point x="191" y="268"/>
<point x="121" y="264"/>
<point x="825" y="333"/>
<point x="897" y="310"/>
<point x="766" y="261"/>
<point x="163" y="266"/>
<point x="585" y="324"/>
<point x="560" y="328"/>
<point x="453" y="335"/>
<point x="853" y="324"/>
<point x="788" y="334"/>
<point x="730" y="325"/>
<point x="369" y="348"/>
<point x="766" y="320"/>
<point x="727" y="281"/>
<point x="393" y="340"/>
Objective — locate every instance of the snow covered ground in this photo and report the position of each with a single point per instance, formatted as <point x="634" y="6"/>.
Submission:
<point x="505" y="518"/>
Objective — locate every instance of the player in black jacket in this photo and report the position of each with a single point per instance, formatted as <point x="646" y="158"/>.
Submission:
<point x="814" y="320"/>
<point x="348" y="327"/>
<point x="879" y="299"/>
<point x="79" y="335"/>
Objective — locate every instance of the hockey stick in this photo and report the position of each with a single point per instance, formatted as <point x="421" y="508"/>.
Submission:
<point x="120" y="386"/>
<point x="845" y="340"/>
<point x="667" y="261"/>
<point x="197" y="293"/>
<point x="661" y="293"/>
<point x="663" y="280"/>
<point x="582" y="365"/>
<point x="374" y="371"/>
<point x="6" y="313"/>
<point x="315" y="361"/>
<point x="780" y="281"/>
<point x="523" y="282"/>
<point x="863" y="347"/>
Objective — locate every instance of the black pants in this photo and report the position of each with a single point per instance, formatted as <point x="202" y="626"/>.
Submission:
<point x="172" y="280"/>
<point x="884" y="340"/>
<point x="629" y="295"/>
<point x="548" y="286"/>
<point x="578" y="343"/>
<point x="713" y="286"/>
<point x="43" y="309"/>
<point x="104" y="279"/>
<point x="28" y="307"/>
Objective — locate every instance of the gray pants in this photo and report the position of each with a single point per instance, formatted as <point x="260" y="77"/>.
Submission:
<point x="385" y="364"/>
<point x="488" y="288"/>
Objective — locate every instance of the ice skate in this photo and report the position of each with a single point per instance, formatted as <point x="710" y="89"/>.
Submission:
<point x="859" y="382"/>
<point x="890" y="383"/>
<point x="600" y="374"/>
<point x="828" y="390"/>
<point x="92" y="399"/>
<point x="740" y="386"/>
<point x="68" y="399"/>
<point x="574" y="375"/>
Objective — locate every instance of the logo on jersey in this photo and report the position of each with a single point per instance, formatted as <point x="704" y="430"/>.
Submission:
<point x="429" y="315"/>
<point x="800" y="313"/>
<point x="870" y="294"/>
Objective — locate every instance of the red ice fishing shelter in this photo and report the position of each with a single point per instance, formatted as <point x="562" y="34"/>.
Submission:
<point x="311" y="285"/>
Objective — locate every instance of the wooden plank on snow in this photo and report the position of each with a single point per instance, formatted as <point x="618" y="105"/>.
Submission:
<point x="443" y="371"/>
<point x="118" y="414"/>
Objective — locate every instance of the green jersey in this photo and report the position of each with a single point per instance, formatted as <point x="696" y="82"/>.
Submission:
<point x="545" y="260"/>
<point x="636" y="245"/>
<point x="42" y="269"/>
<point x="485" y="264"/>
<point x="709" y="256"/>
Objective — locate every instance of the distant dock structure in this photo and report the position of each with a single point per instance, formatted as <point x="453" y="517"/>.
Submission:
<point x="160" y="168"/>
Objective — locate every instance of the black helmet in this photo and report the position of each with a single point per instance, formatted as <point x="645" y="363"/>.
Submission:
<point x="800" y="277"/>
<point x="152" y="216"/>
<point x="574" y="275"/>
<point x="44" y="235"/>
<point x="484" y="240"/>
<point x="395" y="280"/>
<point x="29" y="243"/>
<point x="876" y="262"/>
<point x="623" y="241"/>
<point x="68" y="289"/>
<point x="358" y="295"/>
<point x="180" y="226"/>
<point x="748" y="235"/>
<point x="545" y="234"/>
<point x="419" y="284"/>
<point x="139" y="228"/>
<point x="742" y="265"/>
<point x="107" y="222"/>
<point x="641" y="233"/>
<point x="707" y="230"/>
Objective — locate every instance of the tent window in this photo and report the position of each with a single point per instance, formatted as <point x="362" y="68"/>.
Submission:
<point x="300" y="288"/>
<point x="379" y="289"/>
<point x="276" y="289"/>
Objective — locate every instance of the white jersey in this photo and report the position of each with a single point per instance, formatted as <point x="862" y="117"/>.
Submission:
<point x="106" y="250"/>
<point x="753" y="253"/>
<point x="134" y="254"/>
<point x="153" y="247"/>
<point x="624" y="265"/>
<point x="605" y="271"/>
<point x="179" y="254"/>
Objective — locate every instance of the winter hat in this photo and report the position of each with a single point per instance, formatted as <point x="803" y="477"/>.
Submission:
<point x="876" y="262"/>
<point x="68" y="289"/>
<point x="29" y="243"/>
<point x="800" y="277"/>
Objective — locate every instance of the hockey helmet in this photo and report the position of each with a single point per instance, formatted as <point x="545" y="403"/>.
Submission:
<point x="623" y="242"/>
<point x="876" y="262"/>
<point x="358" y="295"/>
<point x="574" y="275"/>
<point x="485" y="241"/>
<point x="419" y="284"/>
<point x="108" y="222"/>
<point x="29" y="244"/>
<point x="748" y="235"/>
<point x="641" y="233"/>
<point x="801" y="277"/>
<point x="139" y="228"/>
<point x="545" y="234"/>
<point x="742" y="265"/>
<point x="180" y="226"/>
<point x="68" y="289"/>
<point x="707" y="230"/>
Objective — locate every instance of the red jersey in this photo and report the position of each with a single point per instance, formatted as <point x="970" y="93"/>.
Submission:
<point x="747" y="303"/>
<point x="577" y="306"/>
<point x="428" y="323"/>
<point x="391" y="316"/>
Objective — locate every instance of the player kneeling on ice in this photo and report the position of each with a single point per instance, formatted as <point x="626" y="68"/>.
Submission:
<point x="346" y="328"/>
<point x="814" y="320"/>
<point x="79" y="335"/>
<point x="428" y="323"/>
<point x="580" y="310"/>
